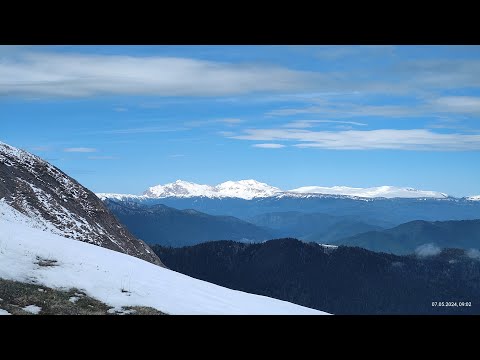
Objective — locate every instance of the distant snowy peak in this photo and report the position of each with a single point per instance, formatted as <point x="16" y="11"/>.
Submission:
<point x="373" y="192"/>
<point x="246" y="189"/>
<point x="179" y="188"/>
<point x="120" y="197"/>
<point x="474" y="198"/>
<point x="243" y="189"/>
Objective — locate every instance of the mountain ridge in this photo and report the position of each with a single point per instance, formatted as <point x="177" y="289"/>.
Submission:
<point x="408" y="237"/>
<point x="253" y="189"/>
<point x="58" y="204"/>
<point x="161" y="224"/>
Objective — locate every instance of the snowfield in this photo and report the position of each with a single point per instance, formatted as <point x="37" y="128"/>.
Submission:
<point x="115" y="278"/>
<point x="389" y="192"/>
<point x="252" y="189"/>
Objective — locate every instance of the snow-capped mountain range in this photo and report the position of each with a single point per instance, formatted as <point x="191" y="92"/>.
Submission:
<point x="388" y="192"/>
<point x="252" y="189"/>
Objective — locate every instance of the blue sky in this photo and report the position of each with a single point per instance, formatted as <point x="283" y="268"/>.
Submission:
<point x="123" y="118"/>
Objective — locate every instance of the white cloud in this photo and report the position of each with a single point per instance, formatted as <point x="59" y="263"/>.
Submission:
<point x="29" y="72"/>
<point x="120" y="109"/>
<point x="440" y="73"/>
<point x="413" y="139"/>
<point x="269" y="146"/>
<point x="335" y="52"/>
<point x="40" y="148"/>
<point x="102" y="158"/>
<point x="473" y="254"/>
<point x="226" y="133"/>
<point x="228" y="122"/>
<point x="55" y="74"/>
<point x="302" y="124"/>
<point x="458" y="104"/>
<point x="427" y="250"/>
<point x="80" y="150"/>
<point x="144" y="130"/>
<point x="346" y="110"/>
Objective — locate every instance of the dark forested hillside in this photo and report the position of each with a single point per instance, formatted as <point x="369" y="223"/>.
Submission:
<point x="160" y="224"/>
<point x="316" y="227"/>
<point x="405" y="238"/>
<point x="390" y="212"/>
<point x="343" y="280"/>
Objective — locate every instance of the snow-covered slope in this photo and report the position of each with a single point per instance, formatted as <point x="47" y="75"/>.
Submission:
<point x="116" y="279"/>
<point x="474" y="198"/>
<point x="373" y="192"/>
<point x="59" y="204"/>
<point x="243" y="189"/>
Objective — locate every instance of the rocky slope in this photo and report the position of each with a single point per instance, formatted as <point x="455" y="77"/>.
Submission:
<point x="59" y="204"/>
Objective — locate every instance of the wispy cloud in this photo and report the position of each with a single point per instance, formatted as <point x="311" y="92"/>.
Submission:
<point x="413" y="139"/>
<point x="120" y="109"/>
<point x="457" y="104"/>
<point x="473" y="254"/>
<point x="81" y="172"/>
<point x="439" y="73"/>
<point x="102" y="158"/>
<point x="40" y="148"/>
<point x="346" y="110"/>
<point x="338" y="52"/>
<point x="438" y="106"/>
<point x="56" y="74"/>
<point x="303" y="124"/>
<point x="80" y="150"/>
<point x="32" y="73"/>
<point x="176" y="155"/>
<point x="226" y="133"/>
<point x="269" y="146"/>
<point x="228" y="122"/>
<point x="144" y="130"/>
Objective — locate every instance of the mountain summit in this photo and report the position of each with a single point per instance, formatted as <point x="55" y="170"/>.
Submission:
<point x="58" y="204"/>
<point x="243" y="189"/>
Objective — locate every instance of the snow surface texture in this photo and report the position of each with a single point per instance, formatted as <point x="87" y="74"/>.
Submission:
<point x="4" y="312"/>
<point x="115" y="278"/>
<point x="251" y="189"/>
<point x="474" y="198"/>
